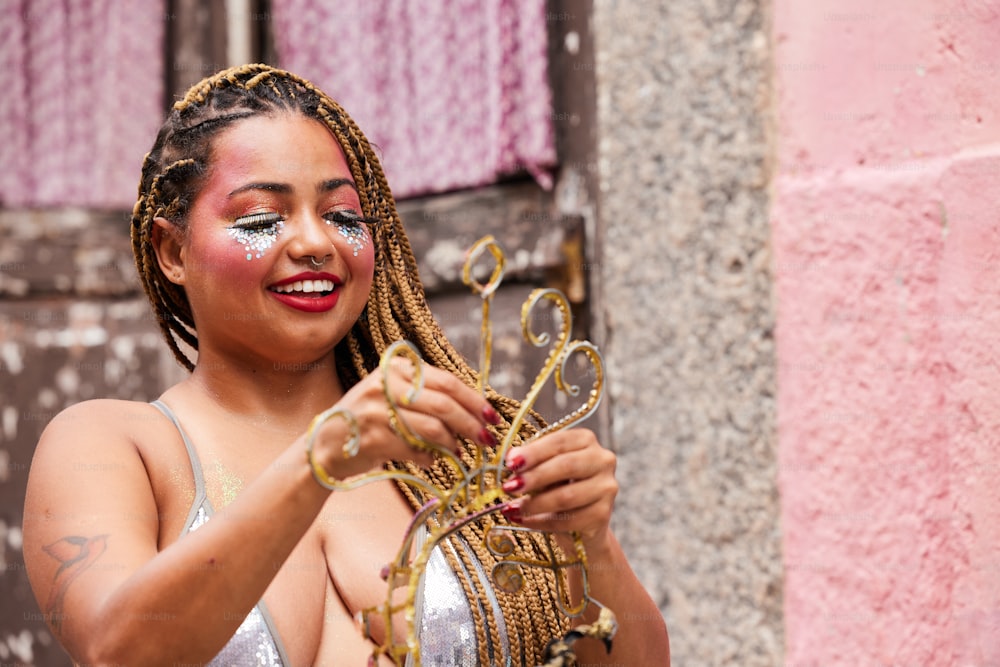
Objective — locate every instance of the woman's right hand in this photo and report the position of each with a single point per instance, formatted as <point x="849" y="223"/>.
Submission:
<point x="443" y="412"/>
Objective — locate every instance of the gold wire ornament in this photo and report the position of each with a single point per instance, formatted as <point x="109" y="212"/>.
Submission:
<point x="350" y="449"/>
<point x="478" y="491"/>
<point x="485" y="291"/>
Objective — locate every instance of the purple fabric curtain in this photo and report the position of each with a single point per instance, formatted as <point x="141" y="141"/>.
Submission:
<point x="82" y="84"/>
<point x="453" y="92"/>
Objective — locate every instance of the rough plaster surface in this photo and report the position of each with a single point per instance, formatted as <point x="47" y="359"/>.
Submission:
<point x="970" y="317"/>
<point x="886" y="256"/>
<point x="683" y="101"/>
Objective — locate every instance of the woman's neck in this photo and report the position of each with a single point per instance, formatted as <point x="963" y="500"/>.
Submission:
<point x="281" y="392"/>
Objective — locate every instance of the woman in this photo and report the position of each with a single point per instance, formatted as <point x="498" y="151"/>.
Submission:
<point x="192" y="529"/>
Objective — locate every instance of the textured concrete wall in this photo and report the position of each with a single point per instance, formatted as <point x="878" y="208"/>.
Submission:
<point x="886" y="248"/>
<point x="683" y="102"/>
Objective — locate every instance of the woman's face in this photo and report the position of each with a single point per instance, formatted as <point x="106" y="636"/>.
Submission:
<point x="278" y="198"/>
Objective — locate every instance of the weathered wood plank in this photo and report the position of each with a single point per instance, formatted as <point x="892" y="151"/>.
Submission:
<point x="520" y="216"/>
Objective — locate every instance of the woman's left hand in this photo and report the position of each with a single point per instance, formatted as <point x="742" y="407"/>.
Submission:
<point x="564" y="481"/>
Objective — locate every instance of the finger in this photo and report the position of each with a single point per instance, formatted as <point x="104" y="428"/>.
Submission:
<point x="536" y="452"/>
<point x="442" y="397"/>
<point x="586" y="520"/>
<point x="572" y="498"/>
<point x="570" y="462"/>
<point x="429" y="430"/>
<point x="376" y="444"/>
<point x="471" y="400"/>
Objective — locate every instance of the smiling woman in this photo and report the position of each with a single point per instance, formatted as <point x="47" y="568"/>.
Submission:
<point x="193" y="529"/>
<point x="278" y="182"/>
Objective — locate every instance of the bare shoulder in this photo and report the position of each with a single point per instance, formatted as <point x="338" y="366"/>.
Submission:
<point x="97" y="426"/>
<point x="104" y="414"/>
<point x="93" y="443"/>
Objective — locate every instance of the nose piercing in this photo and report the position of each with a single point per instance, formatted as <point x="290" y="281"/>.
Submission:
<point x="316" y="263"/>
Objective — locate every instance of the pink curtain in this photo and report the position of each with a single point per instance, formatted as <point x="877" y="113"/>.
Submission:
<point x="453" y="92"/>
<point x="82" y="84"/>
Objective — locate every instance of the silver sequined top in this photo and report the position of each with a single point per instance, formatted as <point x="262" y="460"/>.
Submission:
<point x="447" y="631"/>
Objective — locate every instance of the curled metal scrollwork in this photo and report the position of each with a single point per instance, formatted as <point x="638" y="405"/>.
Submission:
<point x="477" y="491"/>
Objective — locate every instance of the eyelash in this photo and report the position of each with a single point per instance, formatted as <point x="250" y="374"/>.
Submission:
<point x="258" y="221"/>
<point x="348" y="218"/>
<point x="261" y="221"/>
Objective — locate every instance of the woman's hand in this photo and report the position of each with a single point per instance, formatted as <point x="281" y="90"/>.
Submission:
<point x="444" y="411"/>
<point x="564" y="481"/>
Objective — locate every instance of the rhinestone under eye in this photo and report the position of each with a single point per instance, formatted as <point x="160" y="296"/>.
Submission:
<point x="356" y="236"/>
<point x="256" y="241"/>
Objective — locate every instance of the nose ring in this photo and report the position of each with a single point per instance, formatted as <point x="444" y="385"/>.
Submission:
<point x="316" y="264"/>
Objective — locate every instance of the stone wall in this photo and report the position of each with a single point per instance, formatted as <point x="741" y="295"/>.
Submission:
<point x="686" y="318"/>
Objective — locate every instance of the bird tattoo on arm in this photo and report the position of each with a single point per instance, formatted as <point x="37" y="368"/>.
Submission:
<point x="75" y="554"/>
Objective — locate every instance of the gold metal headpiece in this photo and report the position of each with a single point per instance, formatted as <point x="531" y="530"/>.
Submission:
<point x="478" y="491"/>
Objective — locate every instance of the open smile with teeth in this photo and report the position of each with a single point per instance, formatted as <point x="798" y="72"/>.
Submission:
<point x="306" y="287"/>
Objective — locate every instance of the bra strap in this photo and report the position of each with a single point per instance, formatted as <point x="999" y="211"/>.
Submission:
<point x="200" y="496"/>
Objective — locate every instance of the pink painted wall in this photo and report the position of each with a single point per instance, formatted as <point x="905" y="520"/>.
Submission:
<point x="886" y="241"/>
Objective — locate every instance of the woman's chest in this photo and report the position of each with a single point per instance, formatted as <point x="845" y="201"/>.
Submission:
<point x="362" y="532"/>
<point x="193" y="493"/>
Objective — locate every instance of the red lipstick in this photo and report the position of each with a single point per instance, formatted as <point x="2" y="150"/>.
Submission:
<point x="317" y="294"/>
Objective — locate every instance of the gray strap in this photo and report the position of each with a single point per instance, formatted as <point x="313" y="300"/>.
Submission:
<point x="275" y="637"/>
<point x="200" y="496"/>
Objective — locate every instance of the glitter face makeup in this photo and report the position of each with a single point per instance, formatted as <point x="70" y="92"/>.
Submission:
<point x="257" y="232"/>
<point x="352" y="228"/>
<point x="281" y="188"/>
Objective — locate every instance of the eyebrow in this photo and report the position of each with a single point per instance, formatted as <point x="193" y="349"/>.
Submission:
<point x="335" y="183"/>
<point x="284" y="188"/>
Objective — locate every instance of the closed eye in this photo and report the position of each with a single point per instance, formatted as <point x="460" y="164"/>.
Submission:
<point x="258" y="221"/>
<point x="348" y="218"/>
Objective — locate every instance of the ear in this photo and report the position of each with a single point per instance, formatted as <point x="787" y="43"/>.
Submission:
<point x="168" y="244"/>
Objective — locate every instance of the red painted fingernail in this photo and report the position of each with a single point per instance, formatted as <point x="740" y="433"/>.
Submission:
<point x="512" y="514"/>
<point x="515" y="462"/>
<point x="514" y="484"/>
<point x="487" y="438"/>
<point x="491" y="415"/>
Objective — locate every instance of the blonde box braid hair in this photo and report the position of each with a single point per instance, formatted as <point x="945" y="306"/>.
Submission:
<point x="172" y="176"/>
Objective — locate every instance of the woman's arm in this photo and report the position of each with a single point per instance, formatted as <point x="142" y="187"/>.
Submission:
<point x="91" y="528"/>
<point x="565" y="482"/>
<point x="91" y="523"/>
<point x="642" y="633"/>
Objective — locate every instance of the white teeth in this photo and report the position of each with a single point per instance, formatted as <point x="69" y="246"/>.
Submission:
<point x="306" y="286"/>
